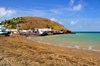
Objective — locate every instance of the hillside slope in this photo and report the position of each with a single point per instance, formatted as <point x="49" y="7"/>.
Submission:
<point x="35" y="22"/>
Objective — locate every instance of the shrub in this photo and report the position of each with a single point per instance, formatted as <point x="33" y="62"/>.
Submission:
<point x="64" y="29"/>
<point x="46" y="20"/>
<point x="52" y="27"/>
<point x="17" y="18"/>
<point x="48" y="25"/>
<point x="23" y="19"/>
<point x="15" y="22"/>
<point x="29" y="19"/>
<point x="32" y="27"/>
<point x="40" y="26"/>
<point x="9" y="21"/>
<point x="13" y="26"/>
<point x="30" y="22"/>
<point x="14" y="18"/>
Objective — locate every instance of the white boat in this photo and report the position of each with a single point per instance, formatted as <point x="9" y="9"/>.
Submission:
<point x="3" y="30"/>
<point x="42" y="31"/>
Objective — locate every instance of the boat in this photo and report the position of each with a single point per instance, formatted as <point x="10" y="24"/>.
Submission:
<point x="42" y="31"/>
<point x="3" y="30"/>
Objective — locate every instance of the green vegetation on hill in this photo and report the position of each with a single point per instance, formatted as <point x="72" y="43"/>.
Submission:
<point x="11" y="23"/>
<point x="34" y="22"/>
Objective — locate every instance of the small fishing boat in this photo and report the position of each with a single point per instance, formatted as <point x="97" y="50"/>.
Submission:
<point x="3" y="30"/>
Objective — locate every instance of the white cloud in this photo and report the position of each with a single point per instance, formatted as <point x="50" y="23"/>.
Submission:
<point x="56" y="11"/>
<point x="71" y="2"/>
<point x="73" y="22"/>
<point x="10" y="12"/>
<point x="4" y="12"/>
<point x="74" y="8"/>
<point x="53" y="19"/>
<point x="77" y="8"/>
<point x="60" y="22"/>
<point x="91" y="8"/>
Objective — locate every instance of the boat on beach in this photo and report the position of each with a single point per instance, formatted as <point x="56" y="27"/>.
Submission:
<point x="3" y="30"/>
<point x="42" y="32"/>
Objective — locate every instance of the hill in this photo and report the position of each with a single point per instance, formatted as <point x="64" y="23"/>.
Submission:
<point x="34" y="22"/>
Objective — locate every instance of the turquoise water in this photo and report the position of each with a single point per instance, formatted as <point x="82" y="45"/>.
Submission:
<point x="78" y="40"/>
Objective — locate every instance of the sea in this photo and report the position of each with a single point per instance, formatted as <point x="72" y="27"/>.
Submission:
<point x="80" y="40"/>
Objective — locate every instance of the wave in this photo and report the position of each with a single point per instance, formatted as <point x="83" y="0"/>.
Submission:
<point x="71" y="47"/>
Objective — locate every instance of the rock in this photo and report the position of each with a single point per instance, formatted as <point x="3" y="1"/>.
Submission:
<point x="34" y="51"/>
<point x="4" y="61"/>
<point x="1" y="58"/>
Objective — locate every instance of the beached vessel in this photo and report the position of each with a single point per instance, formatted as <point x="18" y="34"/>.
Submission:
<point x="36" y="31"/>
<point x="3" y="30"/>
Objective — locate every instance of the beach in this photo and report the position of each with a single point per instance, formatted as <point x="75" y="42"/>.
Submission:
<point x="16" y="50"/>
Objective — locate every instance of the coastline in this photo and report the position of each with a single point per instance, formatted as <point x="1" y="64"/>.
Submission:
<point x="44" y="40"/>
<point x="17" y="50"/>
<point x="89" y="49"/>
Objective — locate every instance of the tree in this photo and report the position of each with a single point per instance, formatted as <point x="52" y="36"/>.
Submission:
<point x="14" y="18"/>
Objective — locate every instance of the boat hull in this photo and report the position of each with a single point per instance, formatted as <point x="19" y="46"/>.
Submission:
<point x="4" y="33"/>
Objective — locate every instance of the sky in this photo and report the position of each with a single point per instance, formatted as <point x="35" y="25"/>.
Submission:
<point x="76" y="15"/>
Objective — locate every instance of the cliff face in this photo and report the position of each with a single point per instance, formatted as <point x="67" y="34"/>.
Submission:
<point x="34" y="22"/>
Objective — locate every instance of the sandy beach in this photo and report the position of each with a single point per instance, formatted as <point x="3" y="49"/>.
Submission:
<point x="16" y="50"/>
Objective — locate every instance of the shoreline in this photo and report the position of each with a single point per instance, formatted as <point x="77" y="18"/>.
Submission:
<point x="89" y="49"/>
<point x="69" y="47"/>
<point x="17" y="50"/>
